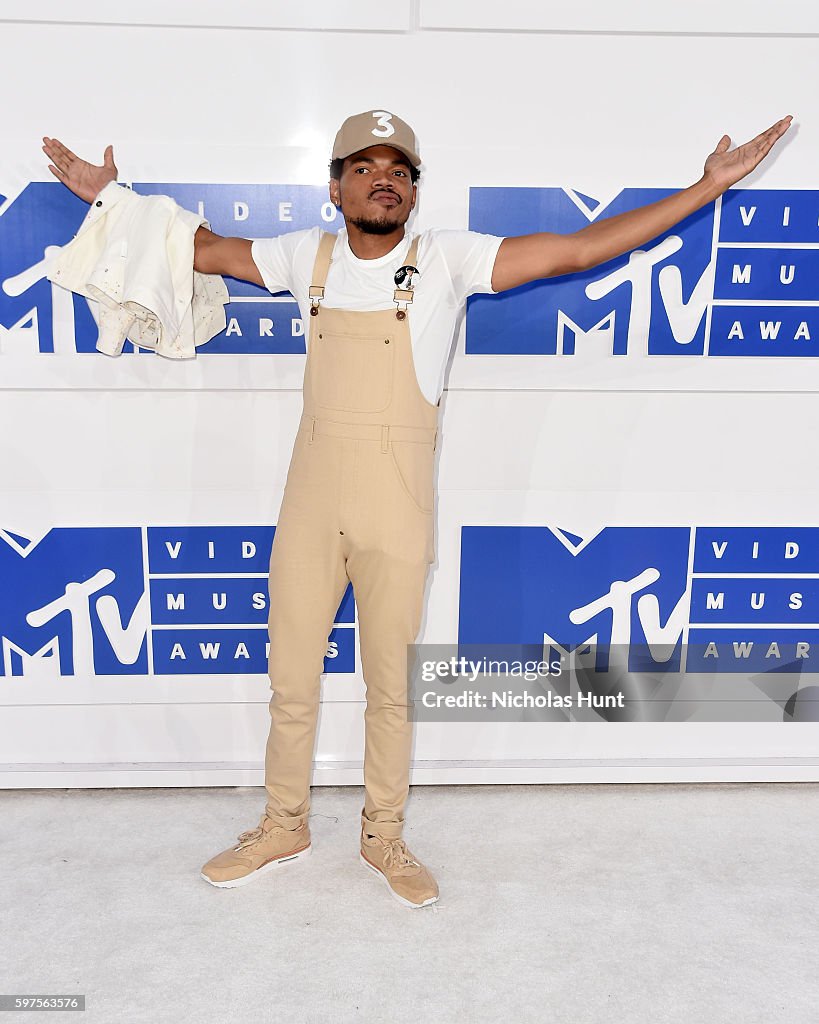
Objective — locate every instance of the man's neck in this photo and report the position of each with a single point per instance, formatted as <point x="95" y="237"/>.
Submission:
<point x="367" y="246"/>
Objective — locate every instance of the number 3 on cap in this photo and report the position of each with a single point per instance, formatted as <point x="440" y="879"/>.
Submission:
<point x="385" y="129"/>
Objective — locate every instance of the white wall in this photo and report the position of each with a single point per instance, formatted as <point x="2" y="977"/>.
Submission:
<point x="591" y="96"/>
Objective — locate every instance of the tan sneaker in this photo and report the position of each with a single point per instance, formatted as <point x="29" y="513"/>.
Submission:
<point x="259" y="851"/>
<point x="406" y="878"/>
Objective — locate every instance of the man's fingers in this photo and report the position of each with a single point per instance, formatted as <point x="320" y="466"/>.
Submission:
<point x="774" y="131"/>
<point x="63" y="157"/>
<point x="63" y="153"/>
<point x="762" y="144"/>
<point x="66" y="155"/>
<point x="767" y="138"/>
<point x="777" y="129"/>
<point x="62" y="164"/>
<point x="51" y="153"/>
<point x="56" y="171"/>
<point x="62" y="148"/>
<point x="761" y="138"/>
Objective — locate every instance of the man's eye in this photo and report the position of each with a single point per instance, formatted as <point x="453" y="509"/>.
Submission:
<point x="362" y="169"/>
<point x="402" y="173"/>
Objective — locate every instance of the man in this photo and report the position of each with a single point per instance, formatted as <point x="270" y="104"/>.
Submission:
<point x="381" y="304"/>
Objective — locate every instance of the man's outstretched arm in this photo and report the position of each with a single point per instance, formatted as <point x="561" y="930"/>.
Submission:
<point x="230" y="257"/>
<point x="212" y="253"/>
<point x="532" y="257"/>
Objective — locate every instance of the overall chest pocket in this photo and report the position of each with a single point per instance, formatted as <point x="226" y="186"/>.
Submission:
<point x="352" y="373"/>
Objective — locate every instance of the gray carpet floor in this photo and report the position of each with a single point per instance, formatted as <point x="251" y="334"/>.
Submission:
<point x="560" y="904"/>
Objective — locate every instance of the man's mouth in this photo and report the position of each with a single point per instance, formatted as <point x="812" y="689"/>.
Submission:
<point x="385" y="198"/>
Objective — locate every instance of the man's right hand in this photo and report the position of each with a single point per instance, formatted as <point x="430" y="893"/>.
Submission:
<point x="85" y="180"/>
<point x="213" y="254"/>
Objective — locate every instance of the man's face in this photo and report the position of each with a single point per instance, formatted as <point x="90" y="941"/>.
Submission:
<point x="374" y="191"/>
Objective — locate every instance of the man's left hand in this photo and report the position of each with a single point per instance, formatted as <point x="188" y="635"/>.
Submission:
<point x="724" y="169"/>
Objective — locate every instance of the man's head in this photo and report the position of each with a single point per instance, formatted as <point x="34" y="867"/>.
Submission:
<point x="373" y="171"/>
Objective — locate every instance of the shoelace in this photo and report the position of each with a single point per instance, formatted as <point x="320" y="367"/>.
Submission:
<point x="396" y="855"/>
<point x="253" y="835"/>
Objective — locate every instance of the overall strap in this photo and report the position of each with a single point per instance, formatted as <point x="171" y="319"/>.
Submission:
<point x="404" y="296"/>
<point x="412" y="255"/>
<point x="321" y="268"/>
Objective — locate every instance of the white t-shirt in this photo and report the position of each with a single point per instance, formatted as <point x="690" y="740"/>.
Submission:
<point x="451" y="266"/>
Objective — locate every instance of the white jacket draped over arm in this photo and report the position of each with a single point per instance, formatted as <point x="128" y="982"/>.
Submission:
<point x="134" y="255"/>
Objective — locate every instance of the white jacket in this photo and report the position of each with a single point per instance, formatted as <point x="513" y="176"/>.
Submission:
<point x="134" y="255"/>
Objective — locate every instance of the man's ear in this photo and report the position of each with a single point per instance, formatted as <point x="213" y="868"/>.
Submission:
<point x="335" y="192"/>
<point x="414" y="196"/>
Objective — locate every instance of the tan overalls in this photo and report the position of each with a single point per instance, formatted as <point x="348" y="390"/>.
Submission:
<point x="357" y="506"/>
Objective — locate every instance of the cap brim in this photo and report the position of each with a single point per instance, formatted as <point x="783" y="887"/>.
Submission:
<point x="413" y="158"/>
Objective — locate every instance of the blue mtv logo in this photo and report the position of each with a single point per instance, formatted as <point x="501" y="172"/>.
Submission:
<point x="738" y="278"/>
<point x="541" y="586"/>
<point x="652" y="302"/>
<point x="191" y="600"/>
<point x="42" y="317"/>
<point x="39" y="317"/>
<point x="74" y="603"/>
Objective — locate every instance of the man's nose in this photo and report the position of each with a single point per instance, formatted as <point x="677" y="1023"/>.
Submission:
<point x="381" y="179"/>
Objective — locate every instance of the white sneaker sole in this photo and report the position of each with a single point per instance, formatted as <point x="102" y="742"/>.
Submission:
<point x="234" y="883"/>
<point x="393" y="893"/>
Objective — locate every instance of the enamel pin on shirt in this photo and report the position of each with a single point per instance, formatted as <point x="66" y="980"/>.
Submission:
<point x="403" y="272"/>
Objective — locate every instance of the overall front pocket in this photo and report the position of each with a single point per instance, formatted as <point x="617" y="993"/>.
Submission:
<point x="352" y="373"/>
<point x="414" y="464"/>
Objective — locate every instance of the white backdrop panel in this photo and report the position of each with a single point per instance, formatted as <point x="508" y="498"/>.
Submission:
<point x="317" y="16"/>
<point x="528" y="440"/>
<point x="730" y="17"/>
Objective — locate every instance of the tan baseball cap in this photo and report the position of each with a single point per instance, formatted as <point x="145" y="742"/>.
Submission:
<point x="376" y="128"/>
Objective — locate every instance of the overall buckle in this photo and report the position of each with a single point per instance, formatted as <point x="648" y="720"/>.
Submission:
<point x="402" y="298"/>
<point x="316" y="294"/>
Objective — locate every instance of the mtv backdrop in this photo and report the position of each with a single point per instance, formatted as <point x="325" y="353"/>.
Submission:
<point x="627" y="455"/>
<point x="677" y="602"/>
<point x="146" y="601"/>
<point x="41" y="323"/>
<point x="738" y="280"/>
